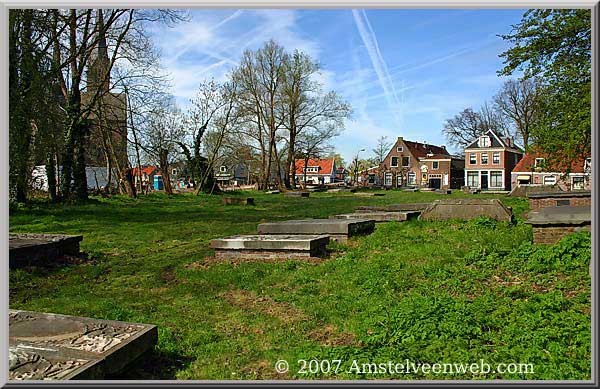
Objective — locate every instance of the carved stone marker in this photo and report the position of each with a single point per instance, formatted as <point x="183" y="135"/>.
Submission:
<point x="46" y="346"/>
<point x="237" y="201"/>
<point x="466" y="209"/>
<point x="270" y="246"/>
<point x="40" y="249"/>
<point x="379" y="216"/>
<point x="339" y="230"/>
<point x="297" y="194"/>
<point x="393" y="207"/>
<point x="552" y="223"/>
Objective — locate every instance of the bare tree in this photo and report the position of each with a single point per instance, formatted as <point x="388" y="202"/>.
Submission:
<point x="519" y="101"/>
<point x="382" y="148"/>
<point x="468" y="125"/>
<point x="315" y="143"/>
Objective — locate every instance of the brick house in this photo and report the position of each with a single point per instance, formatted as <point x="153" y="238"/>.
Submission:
<point x="147" y="173"/>
<point x="414" y="164"/>
<point x="489" y="161"/>
<point x="318" y="171"/>
<point x="535" y="169"/>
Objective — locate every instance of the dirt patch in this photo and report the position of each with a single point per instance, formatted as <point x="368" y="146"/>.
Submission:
<point x="283" y="311"/>
<point x="329" y="336"/>
<point x="168" y="275"/>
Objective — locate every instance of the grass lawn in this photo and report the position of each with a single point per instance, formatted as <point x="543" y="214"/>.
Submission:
<point x="423" y="291"/>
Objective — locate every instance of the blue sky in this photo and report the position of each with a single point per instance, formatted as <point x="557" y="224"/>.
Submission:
<point x="404" y="71"/>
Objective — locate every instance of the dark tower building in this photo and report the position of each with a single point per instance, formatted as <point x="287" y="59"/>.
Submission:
<point x="108" y="115"/>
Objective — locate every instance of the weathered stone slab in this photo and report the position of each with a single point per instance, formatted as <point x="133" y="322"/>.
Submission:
<point x="346" y="190"/>
<point x="379" y="217"/>
<point x="368" y="194"/>
<point x="237" y="201"/>
<point x="560" y="199"/>
<point x="411" y="190"/>
<point x="443" y="191"/>
<point x="467" y="209"/>
<point x="270" y="246"/>
<point x="392" y="207"/>
<point x="339" y="230"/>
<point x="552" y="223"/>
<point x="297" y="194"/>
<point x="40" y="249"/>
<point x="273" y="191"/>
<point x="46" y="346"/>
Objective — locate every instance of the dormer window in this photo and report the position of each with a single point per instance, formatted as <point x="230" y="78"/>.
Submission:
<point x="484" y="141"/>
<point x="539" y="162"/>
<point x="223" y="169"/>
<point x="400" y="149"/>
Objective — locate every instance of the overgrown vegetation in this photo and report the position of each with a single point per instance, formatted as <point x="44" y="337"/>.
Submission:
<point x="424" y="291"/>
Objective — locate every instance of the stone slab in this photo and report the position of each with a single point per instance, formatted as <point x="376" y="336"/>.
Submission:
<point x="393" y="207"/>
<point x="273" y="191"/>
<point x="379" y="217"/>
<point x="40" y="249"/>
<point x="565" y="215"/>
<point x="297" y="194"/>
<point x="467" y="209"/>
<point x="574" y="193"/>
<point x="339" y="230"/>
<point x="46" y="346"/>
<point x="270" y="246"/>
<point x="237" y="201"/>
<point x="367" y="194"/>
<point x="443" y="191"/>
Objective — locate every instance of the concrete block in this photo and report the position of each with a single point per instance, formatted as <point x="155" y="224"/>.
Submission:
<point x="379" y="217"/>
<point x="339" y="230"/>
<point x="270" y="246"/>
<point x="237" y="201"/>
<point x="46" y="346"/>
<point x="40" y="249"/>
<point x="297" y="194"/>
<point x="393" y="207"/>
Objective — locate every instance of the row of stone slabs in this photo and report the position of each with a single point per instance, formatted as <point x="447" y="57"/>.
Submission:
<point x="303" y="238"/>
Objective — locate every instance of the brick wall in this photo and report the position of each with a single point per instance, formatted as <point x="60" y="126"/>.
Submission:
<point x="537" y="203"/>
<point x="552" y="234"/>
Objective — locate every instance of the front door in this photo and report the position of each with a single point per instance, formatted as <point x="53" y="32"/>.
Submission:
<point x="435" y="183"/>
<point x="398" y="180"/>
<point x="484" y="180"/>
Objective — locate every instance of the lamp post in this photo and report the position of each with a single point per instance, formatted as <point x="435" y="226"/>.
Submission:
<point x="356" y="167"/>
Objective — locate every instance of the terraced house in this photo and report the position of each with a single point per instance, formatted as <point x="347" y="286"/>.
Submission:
<point x="414" y="164"/>
<point x="489" y="161"/>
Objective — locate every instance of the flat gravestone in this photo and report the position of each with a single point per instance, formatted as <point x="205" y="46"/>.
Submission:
<point x="393" y="207"/>
<point x="46" y="346"/>
<point x="273" y="191"/>
<point x="367" y="194"/>
<point x="270" y="246"/>
<point x="467" y="209"/>
<point x="550" y="224"/>
<point x="40" y="249"/>
<point x="338" y="230"/>
<point x="379" y="216"/>
<point x="297" y="194"/>
<point x="237" y="201"/>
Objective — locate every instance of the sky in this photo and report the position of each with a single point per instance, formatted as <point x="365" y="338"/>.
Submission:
<point x="404" y="71"/>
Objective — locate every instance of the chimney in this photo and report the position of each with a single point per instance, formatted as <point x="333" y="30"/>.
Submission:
<point x="400" y="139"/>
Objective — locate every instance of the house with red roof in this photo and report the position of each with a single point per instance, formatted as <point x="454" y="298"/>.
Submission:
<point x="317" y="171"/>
<point x="489" y="161"/>
<point x="415" y="164"/>
<point x="536" y="169"/>
<point x="147" y="172"/>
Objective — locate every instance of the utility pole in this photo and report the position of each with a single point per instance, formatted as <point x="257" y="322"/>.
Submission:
<point x="356" y="167"/>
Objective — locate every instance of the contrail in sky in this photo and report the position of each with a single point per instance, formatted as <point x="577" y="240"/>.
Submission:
<point x="370" y="41"/>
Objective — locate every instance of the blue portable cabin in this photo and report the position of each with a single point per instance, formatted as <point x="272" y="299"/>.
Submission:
<point x="158" y="182"/>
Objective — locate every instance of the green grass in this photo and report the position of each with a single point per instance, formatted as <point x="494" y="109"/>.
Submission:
<point x="424" y="291"/>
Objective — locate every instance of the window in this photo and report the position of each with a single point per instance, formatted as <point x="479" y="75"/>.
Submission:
<point x="472" y="158"/>
<point x="484" y="158"/>
<point x="223" y="169"/>
<point x="435" y="165"/>
<point x="394" y="162"/>
<point x="174" y="172"/>
<point x="405" y="161"/>
<point x="371" y="178"/>
<point x="496" y="179"/>
<point x="539" y="162"/>
<point x="549" y="180"/>
<point x="473" y="179"/>
<point x="412" y="178"/>
<point x="587" y="166"/>
<point x="496" y="158"/>
<point x="399" y="149"/>
<point x="388" y="179"/>
<point x="484" y="141"/>
<point x="578" y="182"/>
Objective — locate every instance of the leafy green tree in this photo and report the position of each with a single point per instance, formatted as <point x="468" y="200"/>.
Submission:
<point x="554" y="45"/>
